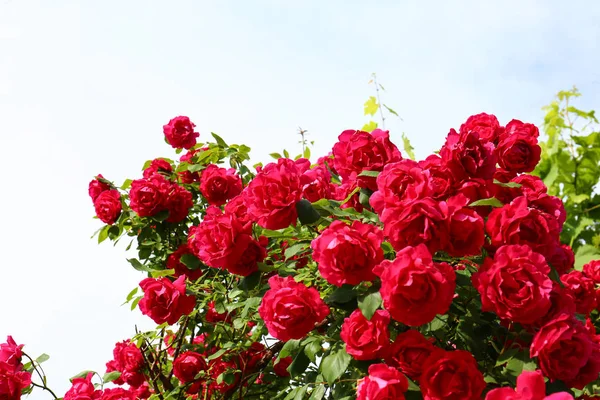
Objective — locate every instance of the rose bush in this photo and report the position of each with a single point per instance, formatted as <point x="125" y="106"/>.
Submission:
<point x="365" y="275"/>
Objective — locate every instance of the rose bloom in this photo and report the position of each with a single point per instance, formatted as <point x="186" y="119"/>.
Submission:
<point x="12" y="382"/>
<point x="409" y="352"/>
<point x="316" y="184"/>
<point x="11" y="353"/>
<point x="441" y="180"/>
<point x="108" y="206"/>
<point x="467" y="157"/>
<point x="382" y="383"/>
<point x="566" y="351"/>
<point x="187" y="365"/>
<point x="561" y="257"/>
<point x="156" y="166"/>
<point x="96" y="187"/>
<point x="451" y="375"/>
<point x="530" y="386"/>
<point x="583" y="290"/>
<point x="592" y="271"/>
<point x="82" y="389"/>
<point x="165" y="301"/>
<point x="179" y="201"/>
<point x="358" y="151"/>
<point x="117" y="394"/>
<point x="272" y="195"/>
<point x="346" y="254"/>
<point x="515" y="284"/>
<point x="174" y="262"/>
<point x="290" y="309"/>
<point x="218" y="185"/>
<point x="366" y="339"/>
<point x="179" y="133"/>
<point x="518" y="148"/>
<point x="237" y="208"/>
<point x="216" y="368"/>
<point x="485" y="125"/>
<point x="280" y="367"/>
<point x="532" y="187"/>
<point x="148" y="196"/>
<point x="398" y="182"/>
<point x="466" y="233"/>
<point x="414" y="288"/>
<point x="417" y="222"/>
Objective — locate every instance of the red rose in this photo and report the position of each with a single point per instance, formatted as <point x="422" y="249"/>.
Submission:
<point x="346" y="254"/>
<point x="117" y="394"/>
<point x="562" y="302"/>
<point x="213" y="316"/>
<point x="518" y="148"/>
<point x="465" y="228"/>
<point x="583" y="290"/>
<point x="366" y="339"/>
<point x="143" y="391"/>
<point x="327" y="163"/>
<point x="187" y="365"/>
<point x="516" y="223"/>
<point x="382" y="383"/>
<point x="282" y="365"/>
<point x="12" y="381"/>
<point x="485" y="125"/>
<point x="592" y="270"/>
<point x="217" y="367"/>
<point x="401" y="181"/>
<point x="476" y="189"/>
<point x="82" y="389"/>
<point x="165" y="301"/>
<point x="316" y="184"/>
<point x="174" y="262"/>
<point x="530" y="386"/>
<point x="272" y="195"/>
<point x="249" y="358"/>
<point x="441" y="180"/>
<point x="346" y="189"/>
<point x="218" y="185"/>
<point x="290" y="309"/>
<point x="222" y="242"/>
<point x="551" y="206"/>
<point x="148" y="196"/>
<point x="566" y="351"/>
<point x="532" y="187"/>
<point x="409" y="352"/>
<point x="96" y="187"/>
<point x="561" y="257"/>
<point x="515" y="284"/>
<point x="467" y="157"/>
<point x="11" y="353"/>
<point x="451" y="375"/>
<point x="179" y="133"/>
<point x="416" y="222"/>
<point x="187" y="176"/>
<point x="108" y="206"/>
<point x="414" y="288"/>
<point x="156" y="166"/>
<point x="179" y="201"/>
<point x="358" y="151"/>
<point x="237" y="208"/>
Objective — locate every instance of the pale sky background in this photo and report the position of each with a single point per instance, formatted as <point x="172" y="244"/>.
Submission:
<point x="85" y="87"/>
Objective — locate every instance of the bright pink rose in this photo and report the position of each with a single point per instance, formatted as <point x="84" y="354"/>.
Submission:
<point x="165" y="301"/>
<point x="82" y="389"/>
<point x="187" y="365"/>
<point x="158" y="165"/>
<point x="221" y="241"/>
<point x="583" y="290"/>
<point x="12" y="381"/>
<point x="566" y="351"/>
<point x="451" y="375"/>
<point x="218" y="185"/>
<point x="530" y="386"/>
<point x="280" y="368"/>
<point x="179" y="201"/>
<point x="117" y="394"/>
<point x="108" y="206"/>
<point x="148" y="196"/>
<point x="416" y="222"/>
<point x="551" y="206"/>
<point x="11" y="353"/>
<point x="346" y="254"/>
<point x="382" y="383"/>
<point x="466" y="233"/>
<point x="467" y="157"/>
<point x="179" y="133"/>
<point x="290" y="309"/>
<point x="96" y="187"/>
<point x="238" y="209"/>
<point x="414" y="288"/>
<point x="441" y="180"/>
<point x="174" y="262"/>
<point x="366" y="339"/>
<point x="316" y="184"/>
<point x="532" y="187"/>
<point x="409" y="352"/>
<point x="515" y="284"/>
<point x="358" y="151"/>
<point x="592" y="271"/>
<point x="272" y="195"/>
<point x="187" y="176"/>
<point x="486" y="126"/>
<point x="518" y="148"/>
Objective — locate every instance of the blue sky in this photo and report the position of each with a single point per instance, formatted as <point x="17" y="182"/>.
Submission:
<point x="85" y="87"/>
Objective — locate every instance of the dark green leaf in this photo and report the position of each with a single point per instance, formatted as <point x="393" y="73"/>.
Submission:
<point x="299" y="365"/>
<point x="318" y="393"/>
<point x="190" y="261"/>
<point x="312" y="349"/>
<point x="335" y="364"/>
<point x="219" y="140"/>
<point x="136" y="264"/>
<point x="250" y="282"/>
<point x="161" y="216"/>
<point x="369" y="304"/>
<point x="295" y="249"/>
<point x="289" y="348"/>
<point x="306" y="212"/>
<point x="342" y="294"/>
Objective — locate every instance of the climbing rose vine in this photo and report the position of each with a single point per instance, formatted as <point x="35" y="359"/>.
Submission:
<point x="364" y="275"/>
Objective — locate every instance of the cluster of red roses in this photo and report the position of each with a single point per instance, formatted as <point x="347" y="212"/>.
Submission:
<point x="472" y="200"/>
<point x="13" y="377"/>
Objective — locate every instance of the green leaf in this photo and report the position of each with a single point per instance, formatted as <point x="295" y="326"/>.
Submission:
<point x="111" y="376"/>
<point x="289" y="348"/>
<point x="190" y="261"/>
<point x="391" y="111"/>
<point x="306" y="152"/>
<point x="506" y="356"/>
<point x="276" y="156"/>
<point x="585" y="254"/>
<point x="42" y="358"/>
<point x="137" y="265"/>
<point x="306" y="212"/>
<point x="312" y="349"/>
<point x="82" y="374"/>
<point x="335" y="364"/>
<point x="373" y="174"/>
<point x="369" y="126"/>
<point x="551" y="175"/>
<point x="584" y="222"/>
<point x="343" y="294"/>
<point x="437" y="323"/>
<point x="164" y="272"/>
<point x="513" y="185"/>
<point x="126" y="184"/>
<point x="492" y="201"/>
<point x="286" y="154"/>
<point x="131" y="294"/>
<point x="295" y="249"/>
<point x="318" y="393"/>
<point x="408" y="147"/>
<point x="219" y="140"/>
<point x="299" y="365"/>
<point x="103" y="234"/>
<point x="161" y="216"/>
<point x="135" y="302"/>
<point x="369" y="304"/>
<point x="250" y="282"/>
<point x="371" y="106"/>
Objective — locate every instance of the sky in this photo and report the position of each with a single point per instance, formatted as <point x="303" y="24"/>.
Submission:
<point x="85" y="87"/>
